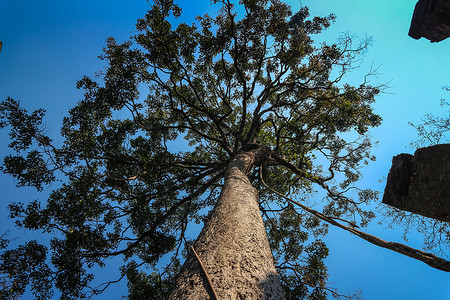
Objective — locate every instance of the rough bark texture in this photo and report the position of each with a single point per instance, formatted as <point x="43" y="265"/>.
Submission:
<point x="233" y="246"/>
<point x="431" y="20"/>
<point x="420" y="183"/>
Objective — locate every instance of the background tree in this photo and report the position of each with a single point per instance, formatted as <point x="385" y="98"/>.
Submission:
<point x="434" y="129"/>
<point x="247" y="78"/>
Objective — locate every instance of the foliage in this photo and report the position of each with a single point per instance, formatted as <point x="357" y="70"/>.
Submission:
<point x="26" y="265"/>
<point x="151" y="286"/>
<point x="251" y="75"/>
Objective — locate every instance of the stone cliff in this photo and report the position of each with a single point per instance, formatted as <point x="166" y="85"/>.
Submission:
<point x="420" y="183"/>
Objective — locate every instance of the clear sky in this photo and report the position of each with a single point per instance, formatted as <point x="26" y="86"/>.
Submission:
<point x="48" y="45"/>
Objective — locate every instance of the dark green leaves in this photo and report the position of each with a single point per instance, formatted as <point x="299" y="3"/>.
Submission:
<point x="26" y="132"/>
<point x="307" y="281"/>
<point x="31" y="170"/>
<point x="23" y="266"/>
<point x="25" y="128"/>
<point x="151" y="286"/>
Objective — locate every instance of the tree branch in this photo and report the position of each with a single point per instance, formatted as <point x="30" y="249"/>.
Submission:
<point x="161" y="219"/>
<point x="428" y="258"/>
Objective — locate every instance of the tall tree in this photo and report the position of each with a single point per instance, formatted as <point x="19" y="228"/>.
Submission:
<point x="265" y="113"/>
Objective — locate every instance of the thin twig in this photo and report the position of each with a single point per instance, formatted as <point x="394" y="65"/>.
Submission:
<point x="206" y="274"/>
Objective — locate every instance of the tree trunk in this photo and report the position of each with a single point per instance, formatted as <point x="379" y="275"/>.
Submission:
<point x="232" y="246"/>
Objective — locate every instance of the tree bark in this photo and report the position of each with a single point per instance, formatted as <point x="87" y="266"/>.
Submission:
<point x="232" y="246"/>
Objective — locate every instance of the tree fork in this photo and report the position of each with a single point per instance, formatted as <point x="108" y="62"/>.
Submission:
<point x="233" y="245"/>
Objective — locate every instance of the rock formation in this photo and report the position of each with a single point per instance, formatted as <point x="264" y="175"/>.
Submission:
<point x="421" y="183"/>
<point x="431" y="20"/>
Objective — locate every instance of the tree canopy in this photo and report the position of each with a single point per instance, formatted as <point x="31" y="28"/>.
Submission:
<point x="251" y="76"/>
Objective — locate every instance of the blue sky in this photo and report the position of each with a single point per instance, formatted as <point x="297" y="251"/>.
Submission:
<point x="48" y="45"/>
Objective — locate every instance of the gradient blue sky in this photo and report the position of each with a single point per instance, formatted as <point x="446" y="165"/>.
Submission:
<point x="48" y="45"/>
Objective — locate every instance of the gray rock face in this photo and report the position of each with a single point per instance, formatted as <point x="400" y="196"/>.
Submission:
<point x="421" y="183"/>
